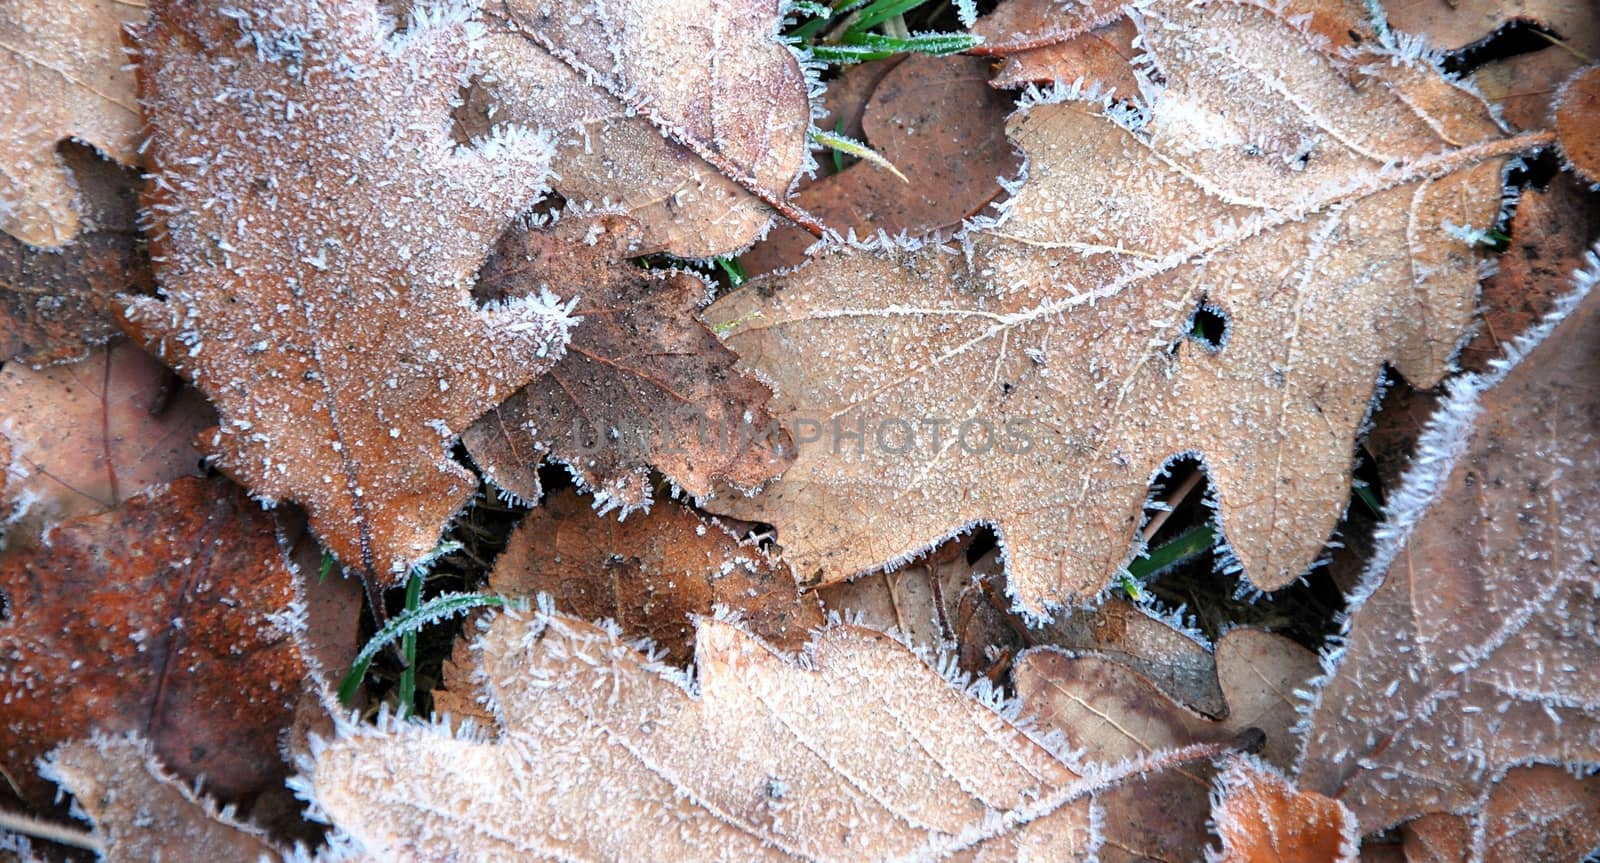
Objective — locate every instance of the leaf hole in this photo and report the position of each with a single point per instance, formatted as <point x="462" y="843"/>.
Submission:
<point x="1515" y="37"/>
<point x="1209" y="327"/>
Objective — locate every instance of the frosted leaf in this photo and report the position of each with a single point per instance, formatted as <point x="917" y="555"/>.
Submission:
<point x="1535" y="813"/>
<point x="864" y="752"/>
<point x="1577" y="119"/>
<point x="644" y="382"/>
<point x="316" y="231"/>
<point x="63" y="74"/>
<point x="689" y="114"/>
<point x="141" y="813"/>
<point x="1111" y="712"/>
<point x="1472" y="642"/>
<point x="1311" y="204"/>
<point x="1262" y="818"/>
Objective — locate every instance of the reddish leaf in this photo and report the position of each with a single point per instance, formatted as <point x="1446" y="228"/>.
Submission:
<point x="644" y="382"/>
<point x="1534" y="813"/>
<point x="1577" y="118"/>
<point x="1261" y="818"/>
<point x="159" y="617"/>
<point x="307" y="290"/>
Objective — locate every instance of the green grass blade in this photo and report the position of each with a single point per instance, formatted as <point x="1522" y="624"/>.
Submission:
<point x="730" y="265"/>
<point x="846" y="144"/>
<point x="408" y="649"/>
<point x="434" y="610"/>
<point x="881" y="11"/>
<point x="862" y="47"/>
<point x="1190" y="544"/>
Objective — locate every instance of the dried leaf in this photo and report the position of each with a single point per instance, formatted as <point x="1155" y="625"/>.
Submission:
<point x="141" y="813"/>
<point x="162" y="617"/>
<point x="1522" y="84"/>
<point x="652" y="574"/>
<point x="938" y="121"/>
<point x="87" y="436"/>
<point x="1113" y="713"/>
<point x="644" y="382"/>
<point x="691" y="115"/>
<point x="1471" y="643"/>
<point x="63" y="74"/>
<point x="304" y="293"/>
<point x="56" y="304"/>
<point x="1261" y="818"/>
<point x="1534" y="813"/>
<point x="862" y="753"/>
<point x="1039" y="380"/>
<point x="1577" y="119"/>
<point x="1103" y="56"/>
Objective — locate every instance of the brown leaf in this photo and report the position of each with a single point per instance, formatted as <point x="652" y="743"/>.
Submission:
<point x="1261" y="818"/>
<point x="1471" y="643"/>
<point x="1577" y="119"/>
<point x="644" y="383"/>
<point x="863" y="752"/>
<point x="142" y="813"/>
<point x="56" y="304"/>
<point x="690" y="115"/>
<point x="304" y="292"/>
<point x="1114" y="713"/>
<point x="1523" y="84"/>
<point x="937" y="120"/>
<point x="652" y="574"/>
<point x="63" y="74"/>
<point x="160" y="617"/>
<point x="1059" y="339"/>
<point x="87" y="436"/>
<point x="1535" y="813"/>
<point x="1102" y="56"/>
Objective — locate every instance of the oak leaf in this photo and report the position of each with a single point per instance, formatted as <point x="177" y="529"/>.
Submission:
<point x="1112" y="712"/>
<point x="1262" y="818"/>
<point x="307" y="289"/>
<point x="166" y="616"/>
<point x="140" y="812"/>
<point x="938" y="122"/>
<point x="861" y="752"/>
<point x="1471" y="641"/>
<point x="692" y="116"/>
<point x="87" y="436"/>
<point x="1538" y="812"/>
<point x="1037" y="377"/>
<point x="63" y="74"/>
<point x="644" y="382"/>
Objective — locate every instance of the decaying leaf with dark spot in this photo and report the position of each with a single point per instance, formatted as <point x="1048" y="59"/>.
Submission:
<point x="1534" y="813"/>
<point x="652" y="574"/>
<point x="1112" y="712"/>
<point x="937" y="121"/>
<point x="1262" y="818"/>
<point x="644" y="382"/>
<point x="316" y="231"/>
<point x="63" y="74"/>
<point x="140" y="813"/>
<point x="166" y="617"/>
<point x="56" y="304"/>
<point x="1040" y="375"/>
<point x="689" y="114"/>
<point x="1471" y="646"/>
<point x="1577" y="118"/>
<point x="87" y="436"/>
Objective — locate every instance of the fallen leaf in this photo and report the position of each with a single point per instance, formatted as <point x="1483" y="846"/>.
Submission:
<point x="55" y="304"/>
<point x="920" y="601"/>
<point x="692" y="116"/>
<point x="63" y="74"/>
<point x="644" y="383"/>
<point x="1261" y="818"/>
<point x="1040" y="378"/>
<point x="1523" y="84"/>
<point x="1535" y="813"/>
<point x="166" y="617"/>
<point x="303" y="291"/>
<point x="1471" y="640"/>
<point x="937" y="120"/>
<point x="142" y="813"/>
<point x="652" y="574"/>
<point x="1577" y="119"/>
<point x="1111" y="713"/>
<point x="863" y="752"/>
<point x="1103" y="56"/>
<point x="85" y="437"/>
